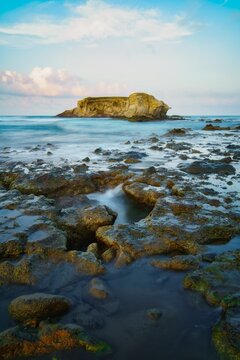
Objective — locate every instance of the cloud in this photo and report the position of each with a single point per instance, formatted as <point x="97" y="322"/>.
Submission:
<point x="97" y="20"/>
<point x="53" y="83"/>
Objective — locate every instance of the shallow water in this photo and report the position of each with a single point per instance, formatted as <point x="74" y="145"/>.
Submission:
<point x="77" y="138"/>
<point x="128" y="210"/>
<point x="183" y="332"/>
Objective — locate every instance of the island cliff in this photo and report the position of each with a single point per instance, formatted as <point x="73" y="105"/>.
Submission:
<point x="136" y="107"/>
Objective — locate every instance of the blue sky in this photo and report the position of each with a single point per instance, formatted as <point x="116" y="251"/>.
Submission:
<point x="185" y="52"/>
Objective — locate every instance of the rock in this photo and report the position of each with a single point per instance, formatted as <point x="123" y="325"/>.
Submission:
<point x="93" y="248"/>
<point x="131" y="160"/>
<point x="21" y="272"/>
<point x="46" y="240"/>
<point x="85" y="262"/>
<point x="117" y="175"/>
<point x="123" y="259"/>
<point x="180" y="146"/>
<point x="53" y="184"/>
<point x="177" y="192"/>
<point x="174" y="225"/>
<point x="226" y="334"/>
<point x="136" y="107"/>
<point x="98" y="289"/>
<point x="81" y="223"/>
<point x="208" y="167"/>
<point x="176" y="132"/>
<point x="108" y="255"/>
<point x="219" y="281"/>
<point x="154" y="314"/>
<point x="180" y="262"/>
<point x="30" y="342"/>
<point x="38" y="306"/>
<point x="143" y="193"/>
<point x="211" y="127"/>
<point x="11" y="246"/>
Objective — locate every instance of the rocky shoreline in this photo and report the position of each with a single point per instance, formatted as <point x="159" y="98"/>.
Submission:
<point x="188" y="182"/>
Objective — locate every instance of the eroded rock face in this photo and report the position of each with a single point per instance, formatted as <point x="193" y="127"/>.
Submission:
<point x="138" y="106"/>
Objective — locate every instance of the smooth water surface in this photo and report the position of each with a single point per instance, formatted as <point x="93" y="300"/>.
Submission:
<point x="75" y="138"/>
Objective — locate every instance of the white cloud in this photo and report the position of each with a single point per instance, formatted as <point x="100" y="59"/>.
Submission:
<point x="53" y="83"/>
<point x="97" y="20"/>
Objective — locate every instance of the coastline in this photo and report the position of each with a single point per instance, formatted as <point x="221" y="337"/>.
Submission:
<point x="185" y="179"/>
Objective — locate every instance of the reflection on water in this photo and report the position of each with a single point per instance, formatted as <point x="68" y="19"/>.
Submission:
<point x="128" y="210"/>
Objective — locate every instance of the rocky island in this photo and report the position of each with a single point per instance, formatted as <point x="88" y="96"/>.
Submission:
<point x="136" y="107"/>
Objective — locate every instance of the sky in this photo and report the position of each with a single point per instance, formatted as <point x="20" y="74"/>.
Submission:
<point x="185" y="52"/>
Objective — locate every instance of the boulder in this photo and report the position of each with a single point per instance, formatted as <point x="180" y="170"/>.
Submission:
<point x="38" y="306"/>
<point x="208" y="167"/>
<point x="136" y="107"/>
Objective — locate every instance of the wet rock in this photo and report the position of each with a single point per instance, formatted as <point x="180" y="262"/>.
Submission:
<point x="131" y="160"/>
<point x="93" y="248"/>
<point x="172" y="226"/>
<point x="52" y="184"/>
<point x="81" y="224"/>
<point x="211" y="127"/>
<point x="98" y="289"/>
<point x="176" y="132"/>
<point x="209" y="257"/>
<point x="108" y="255"/>
<point x="218" y="281"/>
<point x="29" y="342"/>
<point x="154" y="314"/>
<point x="85" y="262"/>
<point x="123" y="259"/>
<point x="217" y="233"/>
<point x="226" y="334"/>
<point x="208" y="167"/>
<point x="179" y="263"/>
<point x="117" y="175"/>
<point x="38" y="306"/>
<point x="21" y="272"/>
<point x="11" y="246"/>
<point x="177" y="192"/>
<point x="146" y="194"/>
<point x="46" y="240"/>
<point x="80" y="168"/>
<point x="180" y="146"/>
<point x="98" y="151"/>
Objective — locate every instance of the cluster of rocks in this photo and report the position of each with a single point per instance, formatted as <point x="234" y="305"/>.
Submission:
<point x="46" y="219"/>
<point x="36" y="334"/>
